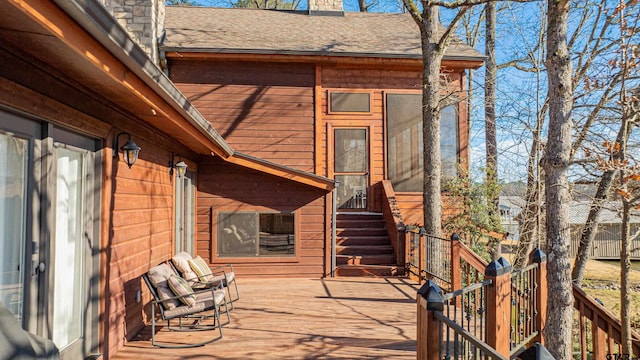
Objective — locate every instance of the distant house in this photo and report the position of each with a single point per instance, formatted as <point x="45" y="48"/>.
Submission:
<point x="510" y="207"/>
<point x="266" y="121"/>
<point x="606" y="244"/>
<point x="607" y="241"/>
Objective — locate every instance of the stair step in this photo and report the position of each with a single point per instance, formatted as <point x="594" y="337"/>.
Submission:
<point x="348" y="232"/>
<point x="369" y="270"/>
<point x="358" y="216"/>
<point x="365" y="250"/>
<point x="362" y="240"/>
<point x="373" y="223"/>
<point x="385" y="259"/>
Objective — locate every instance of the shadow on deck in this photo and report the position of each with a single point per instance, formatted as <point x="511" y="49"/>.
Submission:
<point x="340" y="318"/>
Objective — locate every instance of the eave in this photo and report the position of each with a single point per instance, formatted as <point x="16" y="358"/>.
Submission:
<point x="365" y="60"/>
<point x="80" y="39"/>
<point x="281" y="171"/>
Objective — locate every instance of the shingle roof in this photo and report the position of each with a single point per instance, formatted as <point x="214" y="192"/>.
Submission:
<point x="205" y="29"/>
<point x="611" y="213"/>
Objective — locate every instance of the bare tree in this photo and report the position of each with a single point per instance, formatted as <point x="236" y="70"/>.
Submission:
<point x="556" y="164"/>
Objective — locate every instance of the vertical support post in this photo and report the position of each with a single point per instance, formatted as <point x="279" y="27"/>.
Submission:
<point x="429" y="300"/>
<point x="499" y="306"/>
<point x="540" y="258"/>
<point x="401" y="244"/>
<point x="456" y="276"/>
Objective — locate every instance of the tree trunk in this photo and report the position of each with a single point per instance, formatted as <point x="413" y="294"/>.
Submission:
<point x="362" y="5"/>
<point x="556" y="162"/>
<point x="490" y="122"/>
<point x="431" y="59"/>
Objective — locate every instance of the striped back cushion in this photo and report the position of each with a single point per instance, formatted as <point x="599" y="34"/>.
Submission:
<point x="179" y="287"/>
<point x="200" y="267"/>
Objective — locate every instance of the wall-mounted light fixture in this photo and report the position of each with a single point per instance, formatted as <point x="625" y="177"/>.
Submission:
<point x="180" y="166"/>
<point x="129" y="150"/>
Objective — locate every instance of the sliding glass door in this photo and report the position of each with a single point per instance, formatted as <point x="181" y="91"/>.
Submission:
<point x="49" y="232"/>
<point x="13" y="188"/>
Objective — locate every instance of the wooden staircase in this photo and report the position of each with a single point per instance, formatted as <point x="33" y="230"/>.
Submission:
<point x="363" y="247"/>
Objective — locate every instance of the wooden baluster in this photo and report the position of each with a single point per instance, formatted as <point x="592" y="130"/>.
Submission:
<point x="598" y="338"/>
<point x="456" y="279"/>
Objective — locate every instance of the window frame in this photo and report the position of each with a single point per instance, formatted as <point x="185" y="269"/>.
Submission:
<point x="294" y="258"/>
<point x="454" y="102"/>
<point x="330" y="111"/>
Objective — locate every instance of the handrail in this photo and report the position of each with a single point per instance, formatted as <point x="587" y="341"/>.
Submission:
<point x="472" y="258"/>
<point x="488" y="350"/>
<point x="465" y="290"/>
<point x="393" y="221"/>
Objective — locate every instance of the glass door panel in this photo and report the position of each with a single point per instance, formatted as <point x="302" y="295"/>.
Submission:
<point x="69" y="249"/>
<point x="351" y="167"/>
<point x="13" y="168"/>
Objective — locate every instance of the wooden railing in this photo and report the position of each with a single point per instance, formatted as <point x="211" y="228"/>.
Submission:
<point x="503" y="313"/>
<point x="599" y="332"/>
<point x="393" y="221"/>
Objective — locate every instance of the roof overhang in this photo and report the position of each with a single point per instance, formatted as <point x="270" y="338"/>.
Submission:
<point x="360" y="59"/>
<point x="281" y="171"/>
<point x="80" y="38"/>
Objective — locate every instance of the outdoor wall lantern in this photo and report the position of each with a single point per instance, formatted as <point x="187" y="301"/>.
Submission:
<point x="180" y="166"/>
<point x="129" y="150"/>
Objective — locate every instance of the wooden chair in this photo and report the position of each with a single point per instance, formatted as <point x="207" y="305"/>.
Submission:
<point x="183" y="263"/>
<point x="171" y="307"/>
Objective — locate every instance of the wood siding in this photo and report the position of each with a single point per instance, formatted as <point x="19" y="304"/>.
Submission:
<point x="261" y="109"/>
<point x="136" y="217"/>
<point x="228" y="188"/>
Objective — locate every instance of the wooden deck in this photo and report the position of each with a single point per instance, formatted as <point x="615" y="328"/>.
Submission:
<point x="339" y="318"/>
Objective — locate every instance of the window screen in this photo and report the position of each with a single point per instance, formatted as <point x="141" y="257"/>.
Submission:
<point x="405" y="143"/>
<point x="349" y="102"/>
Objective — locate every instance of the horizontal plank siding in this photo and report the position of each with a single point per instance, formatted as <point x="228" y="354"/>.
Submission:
<point x="225" y="187"/>
<point x="136" y="230"/>
<point x="261" y="109"/>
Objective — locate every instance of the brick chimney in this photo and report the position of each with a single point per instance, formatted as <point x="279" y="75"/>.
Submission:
<point x="326" y="7"/>
<point x="143" y="20"/>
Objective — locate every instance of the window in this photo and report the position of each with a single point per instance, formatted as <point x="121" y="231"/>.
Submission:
<point x="349" y="102"/>
<point x="253" y="234"/>
<point x="405" y="143"/>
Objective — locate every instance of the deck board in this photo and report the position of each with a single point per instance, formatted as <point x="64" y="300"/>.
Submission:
<point x="340" y="318"/>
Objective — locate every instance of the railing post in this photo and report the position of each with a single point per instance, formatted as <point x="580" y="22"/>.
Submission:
<point x="499" y="306"/>
<point x="401" y="244"/>
<point x="540" y="258"/>
<point x="455" y="276"/>
<point x="429" y="300"/>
